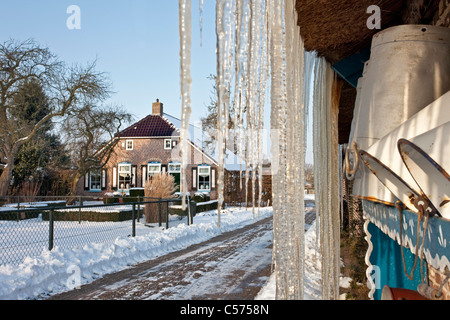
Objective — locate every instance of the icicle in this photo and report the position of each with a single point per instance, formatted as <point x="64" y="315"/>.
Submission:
<point x="326" y="175"/>
<point x="237" y="66"/>
<point x="250" y="93"/>
<point x="299" y="159"/>
<point x="186" y="81"/>
<point x="290" y="208"/>
<point x="335" y="183"/>
<point x="258" y="26"/>
<point x="244" y="18"/>
<point x="309" y="96"/>
<point x="263" y="76"/>
<point x="224" y="27"/>
<point x="200" y="22"/>
<point x="282" y="226"/>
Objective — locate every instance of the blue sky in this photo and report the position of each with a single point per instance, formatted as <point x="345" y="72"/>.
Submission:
<point x="136" y="42"/>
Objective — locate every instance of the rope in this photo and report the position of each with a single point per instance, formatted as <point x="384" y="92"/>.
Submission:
<point x="400" y="206"/>
<point x="422" y="206"/>
<point x="425" y="226"/>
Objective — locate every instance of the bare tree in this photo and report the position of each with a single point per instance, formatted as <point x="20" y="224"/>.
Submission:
<point x="91" y="133"/>
<point x="309" y="173"/>
<point x="68" y="89"/>
<point x="209" y="123"/>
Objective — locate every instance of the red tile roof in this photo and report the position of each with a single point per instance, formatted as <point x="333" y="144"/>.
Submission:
<point x="151" y="126"/>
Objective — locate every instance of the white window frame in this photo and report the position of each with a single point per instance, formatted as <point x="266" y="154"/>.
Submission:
<point x="199" y="174"/>
<point x="173" y="164"/>
<point x="114" y="177"/>
<point x="119" y="171"/>
<point x="167" y="144"/>
<point x="194" y="178"/>
<point x="144" y="175"/>
<point x="98" y="174"/>
<point x="153" y="172"/>
<point x="174" y="168"/>
<point x="127" y="146"/>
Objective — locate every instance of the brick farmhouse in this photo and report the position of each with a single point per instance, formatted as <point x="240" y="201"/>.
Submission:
<point x="148" y="147"/>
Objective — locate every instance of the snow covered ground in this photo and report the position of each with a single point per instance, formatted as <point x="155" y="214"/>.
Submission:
<point x="312" y="281"/>
<point x="58" y="270"/>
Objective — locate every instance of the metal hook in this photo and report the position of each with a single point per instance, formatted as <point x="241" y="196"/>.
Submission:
<point x="350" y="173"/>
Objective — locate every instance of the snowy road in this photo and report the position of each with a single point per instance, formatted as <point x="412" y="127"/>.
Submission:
<point x="233" y="265"/>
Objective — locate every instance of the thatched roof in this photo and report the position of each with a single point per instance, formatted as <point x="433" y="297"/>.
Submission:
<point x="337" y="29"/>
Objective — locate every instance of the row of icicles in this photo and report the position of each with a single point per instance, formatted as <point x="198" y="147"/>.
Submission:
<point x="261" y="60"/>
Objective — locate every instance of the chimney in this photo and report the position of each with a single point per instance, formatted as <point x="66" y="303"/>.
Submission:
<point x="157" y="107"/>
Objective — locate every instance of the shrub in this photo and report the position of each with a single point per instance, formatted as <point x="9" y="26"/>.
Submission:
<point x="160" y="186"/>
<point x="95" y="216"/>
<point x="107" y="200"/>
<point x="177" y="210"/>
<point x="211" y="205"/>
<point x="201" y="197"/>
<point x="128" y="199"/>
<point x="137" y="192"/>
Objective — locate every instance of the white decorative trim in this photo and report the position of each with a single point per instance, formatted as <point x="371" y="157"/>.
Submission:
<point x="370" y="283"/>
<point x="386" y="219"/>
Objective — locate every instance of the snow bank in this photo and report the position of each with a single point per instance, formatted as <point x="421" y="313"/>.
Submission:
<point x="60" y="270"/>
<point x="312" y="280"/>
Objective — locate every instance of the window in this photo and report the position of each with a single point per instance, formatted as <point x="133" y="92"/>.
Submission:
<point x="95" y="180"/>
<point x="204" y="178"/>
<point x="167" y="144"/>
<point x="175" y="170"/>
<point x="174" y="167"/>
<point x="124" y="176"/>
<point x="129" y="144"/>
<point x="170" y="144"/>
<point x="153" y="168"/>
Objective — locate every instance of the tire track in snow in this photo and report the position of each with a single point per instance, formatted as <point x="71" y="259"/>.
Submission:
<point x="233" y="265"/>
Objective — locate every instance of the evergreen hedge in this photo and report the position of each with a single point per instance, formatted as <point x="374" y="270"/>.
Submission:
<point x="94" y="216"/>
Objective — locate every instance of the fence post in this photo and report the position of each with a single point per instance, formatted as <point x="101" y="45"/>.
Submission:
<point x="159" y="212"/>
<point x="50" y="232"/>
<point x="18" y="208"/>
<point x="133" y="218"/>
<point x="194" y="206"/>
<point x="79" y="210"/>
<point x="167" y="214"/>
<point x="189" y="212"/>
<point x="139" y="209"/>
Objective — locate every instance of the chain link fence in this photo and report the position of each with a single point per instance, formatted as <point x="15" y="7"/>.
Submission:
<point x="353" y="212"/>
<point x="29" y="227"/>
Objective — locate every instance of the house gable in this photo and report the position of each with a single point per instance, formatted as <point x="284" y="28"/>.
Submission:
<point x="149" y="146"/>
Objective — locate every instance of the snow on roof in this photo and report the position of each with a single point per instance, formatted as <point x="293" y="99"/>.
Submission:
<point x="198" y="136"/>
<point x="166" y="125"/>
